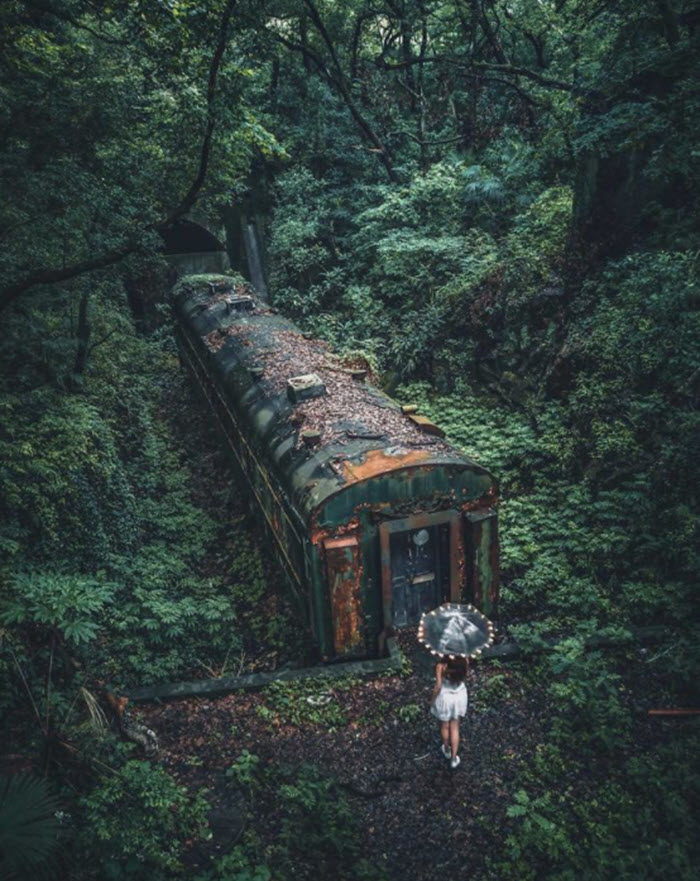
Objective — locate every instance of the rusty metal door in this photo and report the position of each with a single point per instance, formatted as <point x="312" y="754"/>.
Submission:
<point x="417" y="572"/>
<point x="344" y="582"/>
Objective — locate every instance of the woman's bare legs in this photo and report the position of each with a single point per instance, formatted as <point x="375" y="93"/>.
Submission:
<point x="445" y="734"/>
<point x="454" y="735"/>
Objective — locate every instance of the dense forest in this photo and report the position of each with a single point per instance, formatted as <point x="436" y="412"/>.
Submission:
<point x="495" y="204"/>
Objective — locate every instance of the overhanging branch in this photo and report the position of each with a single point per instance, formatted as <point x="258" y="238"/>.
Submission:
<point x="505" y="69"/>
<point x="52" y="276"/>
<point x="191" y="196"/>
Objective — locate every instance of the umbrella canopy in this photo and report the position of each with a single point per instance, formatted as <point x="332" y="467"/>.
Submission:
<point x="455" y="630"/>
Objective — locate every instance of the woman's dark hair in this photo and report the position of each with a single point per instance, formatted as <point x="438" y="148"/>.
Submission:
<point x="456" y="669"/>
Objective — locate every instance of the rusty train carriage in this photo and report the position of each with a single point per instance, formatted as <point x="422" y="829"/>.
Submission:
<point x="374" y="517"/>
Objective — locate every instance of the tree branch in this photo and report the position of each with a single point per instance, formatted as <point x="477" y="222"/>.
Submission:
<point x="338" y="80"/>
<point x="308" y="54"/>
<point x="492" y="36"/>
<point x="51" y="276"/>
<point x="507" y="69"/>
<point x="64" y="16"/>
<point x="191" y="196"/>
<point x="355" y="42"/>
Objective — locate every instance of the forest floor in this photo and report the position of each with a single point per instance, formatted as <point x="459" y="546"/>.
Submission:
<point x="419" y="817"/>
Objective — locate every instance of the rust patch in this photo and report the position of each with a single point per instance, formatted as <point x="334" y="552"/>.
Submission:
<point x="319" y="534"/>
<point x="489" y="500"/>
<point x="377" y="462"/>
<point x="345" y="582"/>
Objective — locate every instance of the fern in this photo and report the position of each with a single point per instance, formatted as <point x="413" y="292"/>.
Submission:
<point x="30" y="827"/>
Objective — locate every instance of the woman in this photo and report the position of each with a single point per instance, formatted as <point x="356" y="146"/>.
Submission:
<point x="449" y="703"/>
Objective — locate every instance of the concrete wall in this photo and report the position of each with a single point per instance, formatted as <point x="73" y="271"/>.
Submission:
<point x="199" y="263"/>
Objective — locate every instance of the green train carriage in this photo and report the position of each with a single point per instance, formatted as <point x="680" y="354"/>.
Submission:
<point x="374" y="517"/>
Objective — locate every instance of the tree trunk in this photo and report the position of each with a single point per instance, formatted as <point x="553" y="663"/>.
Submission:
<point x="83" y="334"/>
<point x="134" y="298"/>
<point x="670" y="20"/>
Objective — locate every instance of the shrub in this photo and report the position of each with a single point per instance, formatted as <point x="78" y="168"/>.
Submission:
<point x="142" y="821"/>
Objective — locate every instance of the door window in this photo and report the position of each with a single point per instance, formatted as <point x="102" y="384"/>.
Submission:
<point x="415" y="574"/>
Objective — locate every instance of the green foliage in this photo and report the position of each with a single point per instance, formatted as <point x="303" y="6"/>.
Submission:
<point x="96" y="496"/>
<point x="244" y="768"/>
<point x="128" y="83"/>
<point x="576" y="818"/>
<point x="318" y="834"/>
<point x="410" y="713"/>
<point x="62" y="477"/>
<point x="586" y="695"/>
<point x="307" y="702"/>
<point x="30" y="826"/>
<point x="495" y="687"/>
<point x="142" y="820"/>
<point x="534" y="248"/>
<point x="70" y="604"/>
<point x="315" y="833"/>
<point x="536" y="831"/>
<point x="240" y="863"/>
<point x="299" y="249"/>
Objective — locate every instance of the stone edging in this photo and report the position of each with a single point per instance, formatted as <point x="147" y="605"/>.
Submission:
<point x="391" y="664"/>
<point x="252" y="681"/>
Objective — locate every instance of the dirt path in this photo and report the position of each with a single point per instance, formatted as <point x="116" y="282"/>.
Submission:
<point x="419" y="817"/>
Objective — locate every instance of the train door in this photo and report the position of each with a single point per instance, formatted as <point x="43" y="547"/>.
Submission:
<point x="418" y="566"/>
<point x="415" y="574"/>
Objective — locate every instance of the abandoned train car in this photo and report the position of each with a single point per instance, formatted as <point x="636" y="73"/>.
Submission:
<point x="374" y="517"/>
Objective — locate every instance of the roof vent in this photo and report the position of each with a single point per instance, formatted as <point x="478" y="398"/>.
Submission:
<point x="301" y="388"/>
<point x="311" y="437"/>
<point x="239" y="303"/>
<point x="426" y="425"/>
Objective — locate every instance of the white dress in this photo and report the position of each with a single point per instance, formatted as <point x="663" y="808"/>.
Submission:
<point x="451" y="702"/>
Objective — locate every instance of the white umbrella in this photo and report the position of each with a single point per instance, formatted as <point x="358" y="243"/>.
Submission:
<point x="455" y="630"/>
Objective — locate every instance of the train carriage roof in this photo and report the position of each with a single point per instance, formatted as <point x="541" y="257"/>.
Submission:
<point x="361" y="432"/>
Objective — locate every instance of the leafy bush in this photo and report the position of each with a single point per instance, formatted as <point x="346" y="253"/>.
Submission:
<point x="318" y="834"/>
<point x="243" y="770"/>
<point x="64" y="490"/>
<point x="586" y="696"/>
<point x="142" y="821"/>
<point x="583" y="818"/>
<point x="70" y="604"/>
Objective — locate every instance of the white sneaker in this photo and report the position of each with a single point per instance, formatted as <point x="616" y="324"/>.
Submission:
<point x="446" y="751"/>
<point x="455" y="762"/>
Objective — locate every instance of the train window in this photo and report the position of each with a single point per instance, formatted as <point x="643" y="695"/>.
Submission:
<point x="421" y="537"/>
